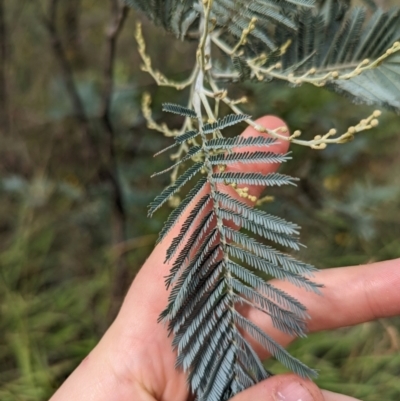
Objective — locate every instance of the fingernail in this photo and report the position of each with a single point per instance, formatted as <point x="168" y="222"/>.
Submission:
<point x="293" y="391"/>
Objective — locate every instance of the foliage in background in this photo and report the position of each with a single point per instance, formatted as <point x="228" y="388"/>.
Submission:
<point x="59" y="255"/>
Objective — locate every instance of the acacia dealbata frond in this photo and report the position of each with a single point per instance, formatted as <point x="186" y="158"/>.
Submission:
<point x="302" y="37"/>
<point x="345" y="49"/>
<point x="181" y="17"/>
<point x="335" y="42"/>
<point x="214" y="266"/>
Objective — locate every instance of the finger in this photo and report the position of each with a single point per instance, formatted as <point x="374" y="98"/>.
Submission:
<point x="351" y="296"/>
<point x="354" y="295"/>
<point x="289" y="387"/>
<point x="283" y="388"/>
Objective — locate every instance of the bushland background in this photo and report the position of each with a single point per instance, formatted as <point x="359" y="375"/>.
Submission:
<point x="75" y="161"/>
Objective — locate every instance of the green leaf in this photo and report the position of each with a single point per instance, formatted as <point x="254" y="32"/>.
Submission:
<point x="259" y="217"/>
<point x="269" y="253"/>
<point x="187" y="225"/>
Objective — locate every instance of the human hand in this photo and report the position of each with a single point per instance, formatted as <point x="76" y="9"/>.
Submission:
<point x="134" y="360"/>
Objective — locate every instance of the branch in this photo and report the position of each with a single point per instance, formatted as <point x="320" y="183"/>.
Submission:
<point x="107" y="168"/>
<point x="119" y="15"/>
<point x="68" y="76"/>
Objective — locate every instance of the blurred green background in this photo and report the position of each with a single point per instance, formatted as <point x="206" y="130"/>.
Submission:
<point x="75" y="161"/>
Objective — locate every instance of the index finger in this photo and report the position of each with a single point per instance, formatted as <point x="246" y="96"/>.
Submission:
<point x="351" y="295"/>
<point x="354" y="295"/>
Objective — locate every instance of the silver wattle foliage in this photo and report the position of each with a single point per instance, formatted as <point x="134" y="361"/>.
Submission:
<point x="324" y="35"/>
<point x="214" y="267"/>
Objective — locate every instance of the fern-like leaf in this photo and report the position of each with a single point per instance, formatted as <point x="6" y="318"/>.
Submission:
<point x="268" y="253"/>
<point x="240" y="65"/>
<point x="249" y="157"/>
<point x="175" y="187"/>
<point x="187" y="136"/>
<point x="231" y="16"/>
<point x="272" y="270"/>
<point x="346" y="53"/>
<point x="257" y="216"/>
<point x="180" y="110"/>
<point x="187" y="225"/>
<point x="227" y="121"/>
<point x="213" y="268"/>
<point x="272" y="179"/>
<point x="229" y="143"/>
<point x="175" y="216"/>
<point x="192" y="152"/>
<point x="274" y="348"/>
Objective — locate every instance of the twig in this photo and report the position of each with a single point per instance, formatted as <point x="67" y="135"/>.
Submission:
<point x="119" y="13"/>
<point x="68" y="76"/>
<point x="50" y="23"/>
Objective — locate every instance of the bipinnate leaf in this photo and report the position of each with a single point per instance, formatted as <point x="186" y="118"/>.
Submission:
<point x="327" y="44"/>
<point x="346" y="52"/>
<point x="181" y="17"/>
<point x="214" y="267"/>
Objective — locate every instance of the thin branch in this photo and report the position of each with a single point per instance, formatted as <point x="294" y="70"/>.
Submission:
<point x="119" y="15"/>
<point x="107" y="169"/>
<point x="68" y="75"/>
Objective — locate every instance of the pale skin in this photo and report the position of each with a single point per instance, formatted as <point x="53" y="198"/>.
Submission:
<point x="134" y="360"/>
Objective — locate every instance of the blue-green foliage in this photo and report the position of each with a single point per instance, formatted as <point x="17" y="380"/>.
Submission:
<point x="326" y="35"/>
<point x="181" y="16"/>
<point x="214" y="265"/>
<point x="332" y="40"/>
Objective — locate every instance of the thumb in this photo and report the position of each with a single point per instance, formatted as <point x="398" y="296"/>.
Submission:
<point x="288" y="387"/>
